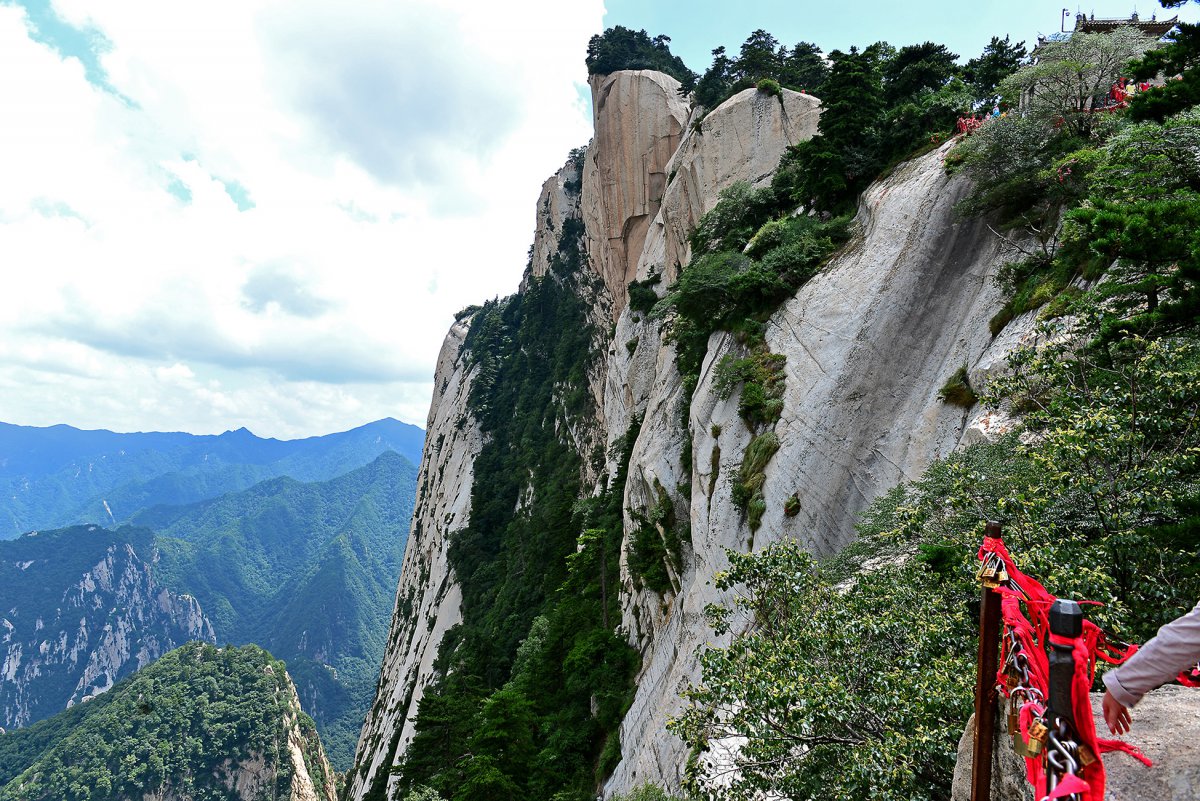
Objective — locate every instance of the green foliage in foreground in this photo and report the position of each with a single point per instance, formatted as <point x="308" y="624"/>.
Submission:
<point x="852" y="677"/>
<point x="172" y="727"/>
<point x="842" y="693"/>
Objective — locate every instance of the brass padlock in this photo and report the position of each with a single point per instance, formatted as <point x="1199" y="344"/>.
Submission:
<point x="1003" y="576"/>
<point x="1038" y="733"/>
<point x="1019" y="746"/>
<point x="984" y="567"/>
<point x="1012" y="681"/>
<point x="1086" y="756"/>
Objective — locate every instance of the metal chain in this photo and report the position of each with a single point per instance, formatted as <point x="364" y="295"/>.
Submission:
<point x="1062" y="756"/>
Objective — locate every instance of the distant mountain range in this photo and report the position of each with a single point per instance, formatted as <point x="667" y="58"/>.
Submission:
<point x="60" y="476"/>
<point x="304" y="567"/>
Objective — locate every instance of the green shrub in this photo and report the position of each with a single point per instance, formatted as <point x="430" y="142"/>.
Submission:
<point x="755" y="512"/>
<point x="791" y="507"/>
<point x="957" y="389"/>
<point x="642" y="296"/>
<point x="752" y="474"/>
<point x="1001" y="318"/>
<point x="770" y="86"/>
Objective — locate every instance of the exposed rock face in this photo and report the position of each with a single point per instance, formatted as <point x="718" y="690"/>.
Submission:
<point x="62" y="646"/>
<point x="740" y="140"/>
<point x="1008" y="769"/>
<point x="256" y="778"/>
<point x="1166" y="726"/>
<point x="639" y="118"/>
<point x="869" y="343"/>
<point x="428" y="598"/>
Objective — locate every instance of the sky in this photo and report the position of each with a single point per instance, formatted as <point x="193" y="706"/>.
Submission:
<point x="264" y="213"/>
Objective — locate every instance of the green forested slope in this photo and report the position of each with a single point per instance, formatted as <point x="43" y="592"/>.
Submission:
<point x="177" y="728"/>
<point x="306" y="570"/>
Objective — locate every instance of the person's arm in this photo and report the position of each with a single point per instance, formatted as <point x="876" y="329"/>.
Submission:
<point x="1175" y="648"/>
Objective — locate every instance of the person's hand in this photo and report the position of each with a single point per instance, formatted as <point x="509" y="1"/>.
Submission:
<point x="1115" y="714"/>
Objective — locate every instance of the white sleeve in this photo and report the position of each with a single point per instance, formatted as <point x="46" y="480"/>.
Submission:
<point x="1175" y="648"/>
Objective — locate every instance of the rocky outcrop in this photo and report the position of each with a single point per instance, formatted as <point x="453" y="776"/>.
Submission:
<point x="638" y="117"/>
<point x="1166" y="727"/>
<point x="740" y="140"/>
<point x="67" y="638"/>
<point x="428" y="597"/>
<point x="257" y="776"/>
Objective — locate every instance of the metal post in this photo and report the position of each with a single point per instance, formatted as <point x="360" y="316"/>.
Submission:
<point x="1066" y="625"/>
<point x="1066" y="620"/>
<point x="985" y="688"/>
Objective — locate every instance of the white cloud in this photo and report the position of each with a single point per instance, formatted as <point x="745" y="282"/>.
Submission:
<point x="391" y="154"/>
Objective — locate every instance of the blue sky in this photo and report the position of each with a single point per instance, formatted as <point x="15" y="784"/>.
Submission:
<point x="265" y="213"/>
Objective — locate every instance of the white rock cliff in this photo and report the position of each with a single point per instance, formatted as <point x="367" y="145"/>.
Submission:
<point x="868" y="342"/>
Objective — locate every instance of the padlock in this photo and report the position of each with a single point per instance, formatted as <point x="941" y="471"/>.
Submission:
<point x="1012" y="681"/>
<point x="1019" y="746"/>
<point x="1038" y="733"/>
<point x="1003" y="576"/>
<point x="1014" y="721"/>
<point x="1086" y="756"/>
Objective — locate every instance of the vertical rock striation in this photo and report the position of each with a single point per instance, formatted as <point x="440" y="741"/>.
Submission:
<point x="428" y="597"/>
<point x="638" y="117"/>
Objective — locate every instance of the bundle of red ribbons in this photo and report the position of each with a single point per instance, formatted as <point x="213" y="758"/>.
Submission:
<point x="1031" y="629"/>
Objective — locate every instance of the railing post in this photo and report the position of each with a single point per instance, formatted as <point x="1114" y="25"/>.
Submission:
<point x="1066" y="622"/>
<point x="1066" y="626"/>
<point x="985" y="687"/>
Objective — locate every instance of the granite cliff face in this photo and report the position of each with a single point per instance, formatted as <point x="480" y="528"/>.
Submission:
<point x="79" y="609"/>
<point x="868" y="342"/>
<point x="428" y="598"/>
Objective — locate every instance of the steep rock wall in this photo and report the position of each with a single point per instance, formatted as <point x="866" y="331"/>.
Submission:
<point x="743" y="139"/>
<point x="638" y="117"/>
<point x="428" y="598"/>
<point x="869" y="342"/>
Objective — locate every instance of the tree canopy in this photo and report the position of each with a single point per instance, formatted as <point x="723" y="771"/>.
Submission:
<point x="621" y="48"/>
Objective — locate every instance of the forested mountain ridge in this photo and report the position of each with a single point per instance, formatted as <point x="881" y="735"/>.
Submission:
<point x="304" y="569"/>
<point x="200" y="723"/>
<point x="60" y="475"/>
